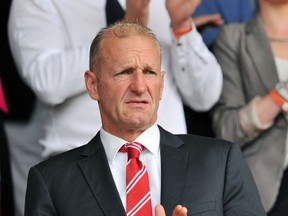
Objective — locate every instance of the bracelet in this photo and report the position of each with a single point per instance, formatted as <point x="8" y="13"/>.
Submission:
<point x="279" y="100"/>
<point x="180" y="32"/>
<point x="282" y="91"/>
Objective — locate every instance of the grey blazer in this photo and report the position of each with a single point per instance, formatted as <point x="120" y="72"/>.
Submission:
<point x="249" y="70"/>
<point x="208" y="176"/>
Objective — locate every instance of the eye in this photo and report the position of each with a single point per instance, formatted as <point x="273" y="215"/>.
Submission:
<point x="150" y="74"/>
<point x="123" y="75"/>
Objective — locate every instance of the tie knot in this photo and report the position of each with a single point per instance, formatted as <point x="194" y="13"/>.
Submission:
<point x="133" y="149"/>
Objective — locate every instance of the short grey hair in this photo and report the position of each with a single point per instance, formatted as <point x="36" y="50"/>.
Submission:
<point x="120" y="29"/>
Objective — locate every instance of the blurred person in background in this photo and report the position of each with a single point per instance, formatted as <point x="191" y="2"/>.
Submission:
<point x="6" y="189"/>
<point x="20" y="147"/>
<point x="208" y="17"/>
<point x="252" y="109"/>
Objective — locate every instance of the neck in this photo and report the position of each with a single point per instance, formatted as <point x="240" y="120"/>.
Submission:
<point x="126" y="134"/>
<point x="274" y="17"/>
<point x="279" y="40"/>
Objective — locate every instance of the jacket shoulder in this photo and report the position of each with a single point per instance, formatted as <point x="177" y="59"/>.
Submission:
<point x="205" y="142"/>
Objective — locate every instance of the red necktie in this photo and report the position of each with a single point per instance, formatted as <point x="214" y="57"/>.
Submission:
<point x="138" y="195"/>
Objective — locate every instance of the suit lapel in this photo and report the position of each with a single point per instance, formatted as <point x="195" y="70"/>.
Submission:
<point x="260" y="52"/>
<point x="96" y="170"/>
<point x="173" y="171"/>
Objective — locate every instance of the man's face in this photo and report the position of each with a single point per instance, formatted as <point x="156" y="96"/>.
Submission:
<point x="130" y="84"/>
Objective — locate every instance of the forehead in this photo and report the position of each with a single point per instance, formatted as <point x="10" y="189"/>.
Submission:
<point x="131" y="45"/>
<point x="128" y="40"/>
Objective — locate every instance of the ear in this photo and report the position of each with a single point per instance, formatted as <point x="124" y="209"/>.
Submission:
<point x="91" y="84"/>
<point x="162" y="84"/>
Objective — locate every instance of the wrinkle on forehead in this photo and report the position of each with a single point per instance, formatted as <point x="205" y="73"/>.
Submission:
<point x="137" y="55"/>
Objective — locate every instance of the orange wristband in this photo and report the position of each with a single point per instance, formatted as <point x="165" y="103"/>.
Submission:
<point x="180" y="32"/>
<point x="279" y="100"/>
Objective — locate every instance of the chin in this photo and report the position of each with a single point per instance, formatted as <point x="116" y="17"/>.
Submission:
<point x="140" y="122"/>
<point x="140" y="125"/>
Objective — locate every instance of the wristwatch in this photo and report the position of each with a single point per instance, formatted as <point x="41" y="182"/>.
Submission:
<point x="282" y="91"/>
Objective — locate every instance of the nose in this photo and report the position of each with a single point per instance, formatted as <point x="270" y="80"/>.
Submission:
<point x="138" y="82"/>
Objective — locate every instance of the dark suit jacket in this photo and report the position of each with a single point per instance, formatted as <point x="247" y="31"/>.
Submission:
<point x="208" y="176"/>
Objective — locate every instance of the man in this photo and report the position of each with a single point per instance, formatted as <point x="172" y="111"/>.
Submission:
<point x="192" y="173"/>
<point x="51" y="50"/>
<point x="50" y="44"/>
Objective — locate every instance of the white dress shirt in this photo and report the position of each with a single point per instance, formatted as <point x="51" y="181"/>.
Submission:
<point x="150" y="157"/>
<point x="50" y="42"/>
<point x="282" y="68"/>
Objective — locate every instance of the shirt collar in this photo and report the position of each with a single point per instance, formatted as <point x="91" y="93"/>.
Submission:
<point x="150" y="138"/>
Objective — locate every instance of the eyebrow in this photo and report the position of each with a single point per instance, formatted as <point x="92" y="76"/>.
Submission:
<point x="145" y="67"/>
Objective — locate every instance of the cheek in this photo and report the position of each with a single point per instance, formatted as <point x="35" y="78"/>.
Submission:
<point x="159" y="92"/>
<point x="110" y="94"/>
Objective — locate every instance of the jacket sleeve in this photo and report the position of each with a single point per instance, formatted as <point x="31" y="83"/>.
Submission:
<point x="43" y="51"/>
<point x="225" y="114"/>
<point x="240" y="192"/>
<point x="196" y="71"/>
<point x="38" y="201"/>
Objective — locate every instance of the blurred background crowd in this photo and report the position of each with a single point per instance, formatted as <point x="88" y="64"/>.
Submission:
<point x="225" y="78"/>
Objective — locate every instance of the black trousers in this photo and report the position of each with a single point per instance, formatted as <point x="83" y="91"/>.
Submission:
<point x="280" y="208"/>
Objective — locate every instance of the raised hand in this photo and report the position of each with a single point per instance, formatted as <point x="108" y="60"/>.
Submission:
<point x="180" y="12"/>
<point x="137" y="10"/>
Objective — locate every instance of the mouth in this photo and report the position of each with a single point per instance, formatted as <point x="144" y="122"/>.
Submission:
<point x="137" y="103"/>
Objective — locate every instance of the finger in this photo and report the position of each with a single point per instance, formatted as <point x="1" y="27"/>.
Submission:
<point x="180" y="210"/>
<point x="214" y="19"/>
<point x="159" y="210"/>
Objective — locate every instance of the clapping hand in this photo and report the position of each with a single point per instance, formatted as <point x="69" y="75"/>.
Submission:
<point x="137" y="10"/>
<point x="178" y="211"/>
<point x="180" y="12"/>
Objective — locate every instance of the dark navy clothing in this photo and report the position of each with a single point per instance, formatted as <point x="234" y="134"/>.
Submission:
<point x="231" y="11"/>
